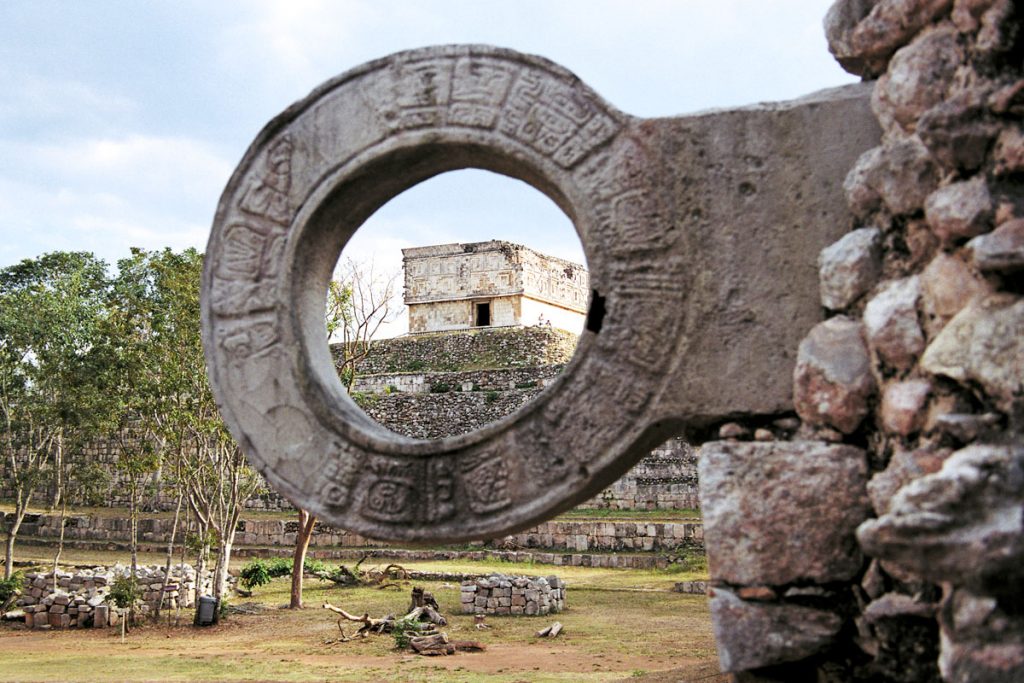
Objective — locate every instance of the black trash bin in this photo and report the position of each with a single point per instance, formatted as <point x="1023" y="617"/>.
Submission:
<point x="208" y="611"/>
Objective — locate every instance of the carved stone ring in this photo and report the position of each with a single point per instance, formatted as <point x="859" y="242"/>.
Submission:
<point x="675" y="336"/>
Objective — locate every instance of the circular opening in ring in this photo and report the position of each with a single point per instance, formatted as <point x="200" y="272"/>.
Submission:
<point x="334" y="214"/>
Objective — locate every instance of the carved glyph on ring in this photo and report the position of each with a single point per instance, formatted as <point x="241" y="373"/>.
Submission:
<point x="391" y="493"/>
<point x="485" y="478"/>
<point x="340" y="476"/>
<point x="267" y="195"/>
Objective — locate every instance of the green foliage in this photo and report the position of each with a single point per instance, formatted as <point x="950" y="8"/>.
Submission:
<point x="440" y="388"/>
<point x="124" y="592"/>
<point x="315" y="566"/>
<point x="491" y="396"/>
<point x="254" y="574"/>
<point x="391" y="389"/>
<point x="92" y="483"/>
<point x="280" y="566"/>
<point x="526" y="385"/>
<point x="415" y="365"/>
<point x="403" y="632"/>
<point x="10" y="587"/>
<point x="364" y="400"/>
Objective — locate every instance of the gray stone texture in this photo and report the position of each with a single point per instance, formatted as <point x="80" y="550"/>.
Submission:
<point x="832" y="379"/>
<point x="1001" y="250"/>
<point x="984" y="343"/>
<point x="891" y="323"/>
<point x="903" y="405"/>
<point x="685" y="257"/>
<point x="850" y="267"/>
<point x="959" y="210"/>
<point x="899" y="176"/>
<point x="982" y="641"/>
<point x="779" y="513"/>
<point x="904" y="467"/>
<point x="752" y="635"/>
<point x="917" y="78"/>
<point x="962" y="524"/>
<point x="947" y="285"/>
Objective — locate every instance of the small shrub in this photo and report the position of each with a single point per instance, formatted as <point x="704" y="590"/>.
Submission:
<point x="279" y="566"/>
<point x="525" y="385"/>
<point x="403" y="631"/>
<point x="10" y="587"/>
<point x="440" y="388"/>
<point x="491" y="396"/>
<point x="315" y="566"/>
<point x="254" y="574"/>
<point x="124" y="592"/>
<point x="415" y="364"/>
<point x="391" y="389"/>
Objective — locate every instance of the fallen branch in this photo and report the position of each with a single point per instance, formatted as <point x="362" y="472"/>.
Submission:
<point x="551" y="631"/>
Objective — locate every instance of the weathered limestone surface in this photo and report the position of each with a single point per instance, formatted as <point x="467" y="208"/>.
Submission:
<point x="984" y="343"/>
<point x="962" y="524"/>
<point x="684" y="261"/>
<point x="891" y="323"/>
<point x="742" y="628"/>
<point x="850" y="267"/>
<point x="832" y="378"/>
<point x="782" y="513"/>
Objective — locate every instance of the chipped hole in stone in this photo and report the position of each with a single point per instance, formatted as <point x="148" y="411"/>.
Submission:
<point x="489" y="294"/>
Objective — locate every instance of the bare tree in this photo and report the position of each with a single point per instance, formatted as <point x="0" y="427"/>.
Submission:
<point x="359" y="302"/>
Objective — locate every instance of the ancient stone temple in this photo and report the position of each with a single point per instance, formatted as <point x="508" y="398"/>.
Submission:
<point x="492" y="284"/>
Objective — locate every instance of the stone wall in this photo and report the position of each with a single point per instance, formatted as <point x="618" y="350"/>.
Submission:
<point x="886" y="543"/>
<point x="563" y="535"/>
<point x="469" y="350"/>
<point x="79" y="598"/>
<point x="513" y="595"/>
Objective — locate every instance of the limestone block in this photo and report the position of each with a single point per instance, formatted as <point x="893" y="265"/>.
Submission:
<point x="947" y="285"/>
<point x="840" y="21"/>
<point x="960" y="210"/>
<point x="1000" y="250"/>
<point x="891" y="323"/>
<point x="832" y="379"/>
<point x="782" y="512"/>
<point x="849" y="267"/>
<point x="1008" y="154"/>
<point x="960" y="525"/>
<point x="980" y="641"/>
<point x="903" y="406"/>
<point x="901" y="174"/>
<point x="917" y="78"/>
<point x="904" y="467"/>
<point x="984" y="343"/>
<point x="752" y="635"/>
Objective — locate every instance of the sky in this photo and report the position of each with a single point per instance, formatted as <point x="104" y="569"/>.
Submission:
<point x="121" y="121"/>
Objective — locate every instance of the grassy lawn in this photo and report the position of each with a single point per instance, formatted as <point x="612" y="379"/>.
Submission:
<point x="619" y="625"/>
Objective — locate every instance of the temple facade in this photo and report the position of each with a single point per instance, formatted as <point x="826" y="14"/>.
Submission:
<point x="492" y="284"/>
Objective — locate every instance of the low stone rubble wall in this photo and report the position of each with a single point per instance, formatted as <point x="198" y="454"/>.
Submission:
<point x="569" y="535"/>
<point x="501" y="594"/>
<point x="80" y="598"/>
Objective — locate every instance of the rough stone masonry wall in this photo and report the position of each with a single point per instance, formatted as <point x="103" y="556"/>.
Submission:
<point x="500" y="594"/>
<point x="79" y="599"/>
<point x="518" y="347"/>
<point x="888" y="545"/>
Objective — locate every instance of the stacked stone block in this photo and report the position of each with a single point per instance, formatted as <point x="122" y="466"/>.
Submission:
<point x="911" y="392"/>
<point x="513" y="595"/>
<point x="80" y="598"/>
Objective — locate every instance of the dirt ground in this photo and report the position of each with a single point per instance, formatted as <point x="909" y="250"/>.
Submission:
<point x="610" y="635"/>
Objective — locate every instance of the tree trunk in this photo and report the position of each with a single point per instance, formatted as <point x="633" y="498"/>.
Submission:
<point x="170" y="555"/>
<point x="306" y="523"/>
<point x="60" y="543"/>
<point x="20" y="508"/>
<point x="220" y="586"/>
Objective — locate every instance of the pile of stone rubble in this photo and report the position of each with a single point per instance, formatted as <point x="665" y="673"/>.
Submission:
<point x="81" y="598"/>
<point x="501" y="594"/>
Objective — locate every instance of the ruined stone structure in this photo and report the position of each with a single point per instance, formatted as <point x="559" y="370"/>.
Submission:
<point x="523" y="595"/>
<point x="492" y="284"/>
<point x="882" y="539"/>
<point x="891" y="547"/>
